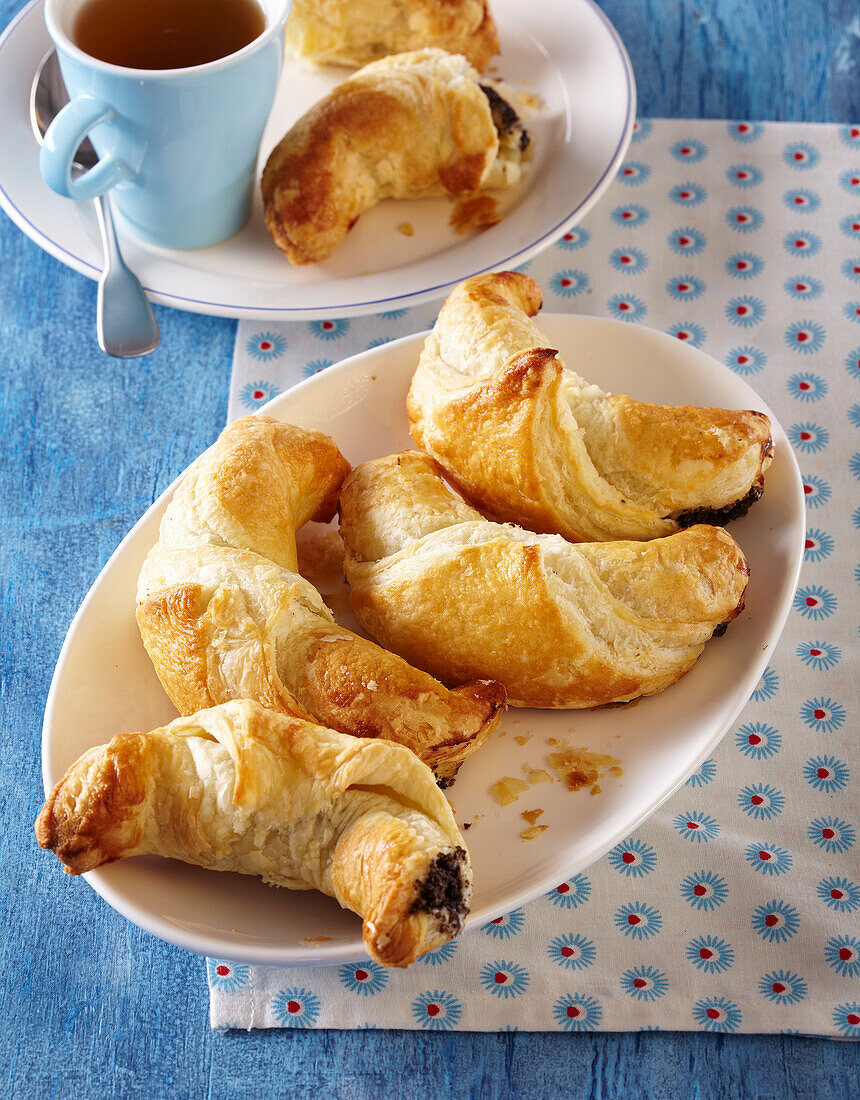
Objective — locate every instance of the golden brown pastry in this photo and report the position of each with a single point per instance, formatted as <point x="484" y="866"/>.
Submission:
<point x="224" y="614"/>
<point x="527" y="440"/>
<point x="240" y="788"/>
<point x="560" y="625"/>
<point x="407" y="127"/>
<point x="354" y="32"/>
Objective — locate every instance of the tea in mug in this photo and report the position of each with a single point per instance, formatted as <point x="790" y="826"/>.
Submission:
<point x="166" y="34"/>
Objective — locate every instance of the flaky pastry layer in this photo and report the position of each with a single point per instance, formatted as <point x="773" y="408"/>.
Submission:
<point x="409" y="126"/>
<point x="561" y="625"/>
<point x="224" y="614"/>
<point x="527" y="440"/>
<point x="355" y="32"/>
<point x="241" y="788"/>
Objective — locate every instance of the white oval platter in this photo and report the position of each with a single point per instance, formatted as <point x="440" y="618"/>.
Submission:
<point x="104" y="683"/>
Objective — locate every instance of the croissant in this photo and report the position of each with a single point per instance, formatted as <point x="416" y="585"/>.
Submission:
<point x="354" y="32"/>
<point x="527" y="440"/>
<point x="559" y="624"/>
<point x="224" y="614"/>
<point x="410" y="126"/>
<point x="240" y="788"/>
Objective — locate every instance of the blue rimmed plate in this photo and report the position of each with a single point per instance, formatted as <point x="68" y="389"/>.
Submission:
<point x="564" y="53"/>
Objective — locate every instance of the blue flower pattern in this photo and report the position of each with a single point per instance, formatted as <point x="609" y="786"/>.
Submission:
<point x="572" y="951"/>
<point x="644" y="983"/>
<point x="577" y="1012"/>
<point x="775" y="921"/>
<point x="705" y="890"/>
<point x="807" y="387"/>
<point x="689" y="332"/>
<point x="832" y="834"/>
<point x="688" y="194"/>
<point x="710" y="954"/>
<point x="744" y="265"/>
<point x="633" y="858"/>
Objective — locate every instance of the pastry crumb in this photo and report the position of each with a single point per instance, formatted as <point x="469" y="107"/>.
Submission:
<point x="534" y="831"/>
<point x="467" y="825"/>
<point x="536" y="775"/>
<point x="531" y="816"/>
<point x="475" y="212"/>
<point x="522" y="739"/>
<point x="553" y="741"/>
<point x="314" y="939"/>
<point x="508" y="790"/>
<point x="407" y="229"/>
<point x="581" y="768"/>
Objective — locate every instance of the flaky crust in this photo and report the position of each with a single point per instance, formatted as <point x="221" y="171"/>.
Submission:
<point x="240" y="788"/>
<point x="409" y="126"/>
<point x="355" y="32"/>
<point x="527" y="440"/>
<point x="224" y="614"/>
<point x="560" y="625"/>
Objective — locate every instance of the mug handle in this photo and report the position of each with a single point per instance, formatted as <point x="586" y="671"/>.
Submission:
<point x="62" y="138"/>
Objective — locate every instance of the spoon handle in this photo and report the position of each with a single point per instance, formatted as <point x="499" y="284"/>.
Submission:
<point x="125" y="322"/>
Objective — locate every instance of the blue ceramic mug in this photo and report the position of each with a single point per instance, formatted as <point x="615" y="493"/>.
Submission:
<point x="177" y="147"/>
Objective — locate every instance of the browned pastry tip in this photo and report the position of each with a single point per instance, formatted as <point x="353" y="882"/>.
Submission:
<point x="89" y="818"/>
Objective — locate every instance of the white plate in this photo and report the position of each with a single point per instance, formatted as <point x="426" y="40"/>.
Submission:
<point x="565" y="51"/>
<point x="104" y="683"/>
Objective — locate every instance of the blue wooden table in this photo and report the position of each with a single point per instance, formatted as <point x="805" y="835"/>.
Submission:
<point x="92" y="1007"/>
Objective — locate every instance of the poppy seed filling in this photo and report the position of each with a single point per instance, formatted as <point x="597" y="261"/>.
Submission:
<point x="440" y="892"/>
<point x="719" y="517"/>
<point x="505" y="118"/>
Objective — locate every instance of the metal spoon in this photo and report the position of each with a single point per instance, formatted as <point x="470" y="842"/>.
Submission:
<point x="125" y="323"/>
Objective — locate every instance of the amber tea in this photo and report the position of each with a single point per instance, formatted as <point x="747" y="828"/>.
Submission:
<point x="166" y="34"/>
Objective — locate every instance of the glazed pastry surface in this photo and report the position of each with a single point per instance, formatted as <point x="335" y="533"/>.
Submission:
<point x="224" y="614"/>
<point x="409" y="126"/>
<point x="241" y="788"/>
<point x="561" y="625"/>
<point x="355" y="32"/>
<point x="527" y="440"/>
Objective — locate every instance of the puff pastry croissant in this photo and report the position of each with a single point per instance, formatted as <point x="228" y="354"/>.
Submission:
<point x="527" y="440"/>
<point x="560" y="625"/>
<point x="240" y="788"/>
<point x="354" y="32"/>
<point x="224" y="613"/>
<point x="410" y="126"/>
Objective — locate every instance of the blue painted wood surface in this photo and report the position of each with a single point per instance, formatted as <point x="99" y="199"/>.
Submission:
<point x="89" y="1005"/>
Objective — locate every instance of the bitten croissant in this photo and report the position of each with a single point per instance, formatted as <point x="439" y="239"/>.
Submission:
<point x="410" y="126"/>
<point x="560" y="625"/>
<point x="240" y="788"/>
<point x="527" y="440"/>
<point x="224" y="613"/>
<point x="354" y="32"/>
